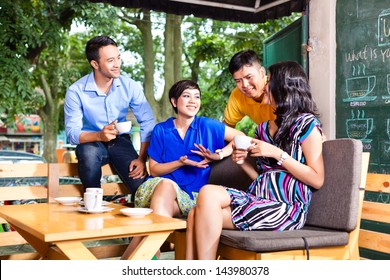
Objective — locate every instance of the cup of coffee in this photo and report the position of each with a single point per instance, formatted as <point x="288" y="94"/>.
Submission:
<point x="123" y="127"/>
<point x="242" y="142"/>
<point x="93" y="199"/>
<point x="94" y="190"/>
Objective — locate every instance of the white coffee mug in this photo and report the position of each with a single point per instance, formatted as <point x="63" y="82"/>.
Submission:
<point x="123" y="127"/>
<point x="242" y="142"/>
<point x="93" y="200"/>
<point x="94" y="190"/>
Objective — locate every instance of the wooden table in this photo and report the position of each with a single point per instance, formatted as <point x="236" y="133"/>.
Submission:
<point x="57" y="231"/>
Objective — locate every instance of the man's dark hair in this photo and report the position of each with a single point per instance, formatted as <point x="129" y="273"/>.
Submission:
<point x="243" y="58"/>
<point x="94" y="44"/>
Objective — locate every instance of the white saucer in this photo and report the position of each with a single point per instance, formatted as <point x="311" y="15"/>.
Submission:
<point x="67" y="200"/>
<point x="135" y="212"/>
<point x="101" y="210"/>
<point x="104" y="203"/>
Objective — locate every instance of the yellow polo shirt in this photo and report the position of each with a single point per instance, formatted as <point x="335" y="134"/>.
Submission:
<point x="239" y="106"/>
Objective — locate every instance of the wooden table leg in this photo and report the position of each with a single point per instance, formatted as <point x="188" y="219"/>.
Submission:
<point x="75" y="250"/>
<point x="147" y="248"/>
<point x="40" y="246"/>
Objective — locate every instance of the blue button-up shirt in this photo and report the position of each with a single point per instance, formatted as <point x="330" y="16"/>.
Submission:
<point x="89" y="109"/>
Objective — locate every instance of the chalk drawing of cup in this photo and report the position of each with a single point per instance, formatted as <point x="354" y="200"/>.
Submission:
<point x="388" y="128"/>
<point x="385" y="155"/>
<point x="359" y="128"/>
<point x="360" y="87"/>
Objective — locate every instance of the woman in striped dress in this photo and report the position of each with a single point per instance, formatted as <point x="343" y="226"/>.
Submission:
<point x="289" y="163"/>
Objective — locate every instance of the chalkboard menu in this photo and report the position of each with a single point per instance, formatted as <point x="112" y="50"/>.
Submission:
<point x="363" y="77"/>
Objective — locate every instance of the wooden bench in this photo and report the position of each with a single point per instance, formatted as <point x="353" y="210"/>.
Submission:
<point x="60" y="170"/>
<point x="17" y="193"/>
<point x="374" y="237"/>
<point x="47" y="191"/>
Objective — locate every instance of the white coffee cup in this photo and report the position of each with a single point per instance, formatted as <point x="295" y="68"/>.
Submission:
<point x="123" y="127"/>
<point x="242" y="142"/>
<point x="94" y="190"/>
<point x="93" y="200"/>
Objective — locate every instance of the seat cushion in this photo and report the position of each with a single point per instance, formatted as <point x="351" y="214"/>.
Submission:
<point x="271" y="241"/>
<point x="336" y="204"/>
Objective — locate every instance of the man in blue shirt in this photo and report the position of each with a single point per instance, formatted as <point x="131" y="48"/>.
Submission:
<point x="93" y="106"/>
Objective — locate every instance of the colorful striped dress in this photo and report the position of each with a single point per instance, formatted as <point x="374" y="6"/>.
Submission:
<point x="276" y="200"/>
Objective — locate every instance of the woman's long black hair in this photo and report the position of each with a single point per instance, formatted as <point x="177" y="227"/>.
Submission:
<point x="290" y="90"/>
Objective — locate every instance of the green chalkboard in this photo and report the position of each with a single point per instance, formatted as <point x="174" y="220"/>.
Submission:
<point x="363" y="77"/>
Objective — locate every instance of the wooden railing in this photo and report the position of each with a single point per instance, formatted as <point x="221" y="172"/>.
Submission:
<point x="374" y="237"/>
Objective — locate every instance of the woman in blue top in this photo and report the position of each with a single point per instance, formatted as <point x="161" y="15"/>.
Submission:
<point x="180" y="151"/>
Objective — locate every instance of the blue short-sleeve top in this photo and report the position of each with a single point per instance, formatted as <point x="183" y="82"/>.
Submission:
<point x="166" y="145"/>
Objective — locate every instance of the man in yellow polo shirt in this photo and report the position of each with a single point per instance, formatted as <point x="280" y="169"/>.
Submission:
<point x="247" y="98"/>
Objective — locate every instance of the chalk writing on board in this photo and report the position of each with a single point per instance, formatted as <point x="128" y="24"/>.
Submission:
<point x="363" y="78"/>
<point x="358" y="103"/>
<point x="360" y="86"/>
<point x="384" y="28"/>
<point x="368" y="53"/>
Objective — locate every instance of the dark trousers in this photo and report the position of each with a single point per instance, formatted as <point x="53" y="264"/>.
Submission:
<point x="93" y="155"/>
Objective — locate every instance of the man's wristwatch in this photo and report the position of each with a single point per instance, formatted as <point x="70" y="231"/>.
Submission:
<point x="220" y="153"/>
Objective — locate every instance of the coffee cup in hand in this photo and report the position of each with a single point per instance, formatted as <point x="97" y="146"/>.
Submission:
<point x="242" y="142"/>
<point x="123" y="127"/>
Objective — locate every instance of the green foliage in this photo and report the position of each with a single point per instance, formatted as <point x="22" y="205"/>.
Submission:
<point x="15" y="77"/>
<point x="247" y="126"/>
<point x="33" y="36"/>
<point x="37" y="47"/>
